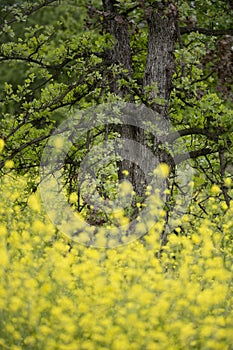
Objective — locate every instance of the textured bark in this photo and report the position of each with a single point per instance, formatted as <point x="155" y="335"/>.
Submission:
<point x="160" y="65"/>
<point x="162" y="25"/>
<point x="161" y="18"/>
<point x="117" y="26"/>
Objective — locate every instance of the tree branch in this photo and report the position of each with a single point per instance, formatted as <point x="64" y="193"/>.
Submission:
<point x="27" y="59"/>
<point x="206" y="31"/>
<point x="170" y="138"/>
<point x="29" y="12"/>
<point x="193" y="155"/>
<point x="25" y="145"/>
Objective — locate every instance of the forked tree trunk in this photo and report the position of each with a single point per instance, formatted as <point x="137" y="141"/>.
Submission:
<point x="161" y="18"/>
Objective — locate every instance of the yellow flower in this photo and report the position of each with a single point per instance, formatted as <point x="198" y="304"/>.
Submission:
<point x="9" y="164"/>
<point x="228" y="182"/>
<point x="215" y="189"/>
<point x="3" y="230"/>
<point x="34" y="202"/>
<point x="38" y="226"/>
<point x="224" y="205"/>
<point x="162" y="170"/>
<point x="125" y="172"/>
<point x="3" y="258"/>
<point x="15" y="303"/>
<point x="59" y="142"/>
<point x="118" y="213"/>
<point x="196" y="238"/>
<point x="88" y="345"/>
<point x="126" y="188"/>
<point x="124" y="221"/>
<point x="29" y="340"/>
<point x="73" y="197"/>
<point x="83" y="237"/>
<point x="2" y="143"/>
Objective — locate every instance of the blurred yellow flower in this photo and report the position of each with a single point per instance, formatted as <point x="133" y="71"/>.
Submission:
<point x="59" y="142"/>
<point x="162" y="170"/>
<point x="2" y="144"/>
<point x="73" y="197"/>
<point x="34" y="202"/>
<point x="125" y="172"/>
<point x="228" y="181"/>
<point x="9" y="164"/>
<point x="126" y="188"/>
<point x="215" y="189"/>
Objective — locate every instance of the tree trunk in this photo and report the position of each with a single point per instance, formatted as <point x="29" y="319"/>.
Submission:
<point x="160" y="64"/>
<point x="161" y="18"/>
<point x="117" y="26"/>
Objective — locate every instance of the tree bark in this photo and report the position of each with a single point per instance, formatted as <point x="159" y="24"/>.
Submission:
<point x="160" y="64"/>
<point x="117" y="25"/>
<point x="162" y="25"/>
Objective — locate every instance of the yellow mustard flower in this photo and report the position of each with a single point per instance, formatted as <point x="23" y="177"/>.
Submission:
<point x="2" y="144"/>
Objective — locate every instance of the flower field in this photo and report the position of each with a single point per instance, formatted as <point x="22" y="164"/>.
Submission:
<point x="56" y="294"/>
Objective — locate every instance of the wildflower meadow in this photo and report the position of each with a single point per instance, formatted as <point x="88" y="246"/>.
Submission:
<point x="57" y="294"/>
